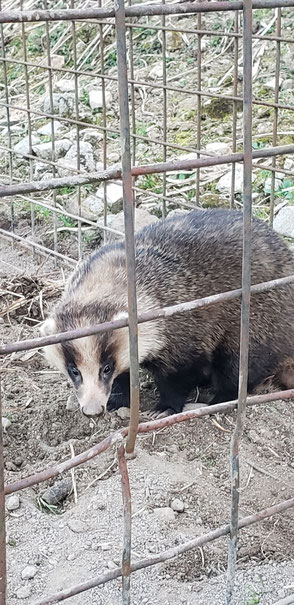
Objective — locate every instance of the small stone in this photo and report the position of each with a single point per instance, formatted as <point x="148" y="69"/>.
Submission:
<point x="57" y="61"/>
<point x="13" y="503"/>
<point x="63" y="104"/>
<point x="177" y="212"/>
<point x="225" y="182"/>
<point x="123" y="413"/>
<point x="77" y="526"/>
<point x="85" y="153"/>
<point x="217" y="147"/>
<point x="105" y="546"/>
<point x="58" y="491"/>
<point x="1" y="320"/>
<point x="29" y="572"/>
<point x="268" y="184"/>
<point x="287" y="84"/>
<point x="96" y="98"/>
<point x="6" y="423"/>
<point x="92" y="136"/>
<point x="72" y="403"/>
<point x="271" y="84"/>
<point x="71" y="556"/>
<point x="23" y="593"/>
<point x="66" y="85"/>
<point x="289" y="164"/>
<point x="46" y="129"/>
<point x="178" y="505"/>
<point x="23" y="146"/>
<point x="165" y="514"/>
<point x="45" y="151"/>
<point x="284" y="222"/>
<point x="156" y="71"/>
<point x="114" y="197"/>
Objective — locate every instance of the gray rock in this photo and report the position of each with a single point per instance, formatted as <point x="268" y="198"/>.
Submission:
<point x="85" y="154"/>
<point x="13" y="503"/>
<point x="46" y="129"/>
<point x="6" y="423"/>
<point x="178" y="505"/>
<point x="63" y="104"/>
<point x="72" y="403"/>
<point x="77" y="526"/>
<point x="58" y="491"/>
<point x="284" y="222"/>
<point x="92" y="207"/>
<point x="92" y="136"/>
<point x="24" y="592"/>
<point x="44" y="150"/>
<point x="289" y="164"/>
<point x="142" y="219"/>
<point x="156" y="71"/>
<point x="123" y="413"/>
<point x="29" y="572"/>
<point x="268" y="183"/>
<point x="287" y="84"/>
<point x="165" y="514"/>
<point x="270" y="84"/>
<point x="217" y="147"/>
<point x="114" y="196"/>
<point x="96" y="98"/>
<point x="177" y="212"/>
<point x="224" y="184"/>
<point x="23" y="145"/>
<point x="66" y="85"/>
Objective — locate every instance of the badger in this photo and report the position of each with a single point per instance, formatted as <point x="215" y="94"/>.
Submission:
<point x="183" y="258"/>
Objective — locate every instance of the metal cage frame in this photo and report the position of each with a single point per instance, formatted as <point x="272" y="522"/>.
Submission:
<point x="128" y="170"/>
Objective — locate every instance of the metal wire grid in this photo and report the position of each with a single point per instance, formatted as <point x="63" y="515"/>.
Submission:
<point x="127" y="172"/>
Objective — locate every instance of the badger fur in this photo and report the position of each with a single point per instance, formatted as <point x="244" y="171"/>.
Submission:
<point x="184" y="258"/>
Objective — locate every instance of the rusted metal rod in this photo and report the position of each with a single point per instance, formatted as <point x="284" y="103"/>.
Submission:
<point x="160" y="167"/>
<point x="127" y="182"/>
<point x="2" y="517"/>
<point x="171" y="553"/>
<point x="44" y="341"/>
<point x="134" y="11"/>
<point x="127" y="514"/>
<point x="144" y="427"/>
<point x="245" y="307"/>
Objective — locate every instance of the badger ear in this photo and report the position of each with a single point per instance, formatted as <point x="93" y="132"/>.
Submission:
<point x="48" y="327"/>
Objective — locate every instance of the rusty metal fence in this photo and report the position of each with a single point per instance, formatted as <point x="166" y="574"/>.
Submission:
<point x="125" y="19"/>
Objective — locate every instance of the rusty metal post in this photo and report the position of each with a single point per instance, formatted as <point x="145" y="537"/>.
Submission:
<point x="2" y="518"/>
<point x="245" y="307"/>
<point x="127" y="508"/>
<point x="129" y="217"/>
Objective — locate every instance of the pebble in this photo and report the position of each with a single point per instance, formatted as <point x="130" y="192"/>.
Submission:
<point x="111" y="565"/>
<point x="284" y="221"/>
<point x="123" y="413"/>
<point x="96" y="98"/>
<point x="105" y="546"/>
<point x="29" y="572"/>
<point x="58" y="491"/>
<point x="13" y="503"/>
<point x="178" y="505"/>
<point x="6" y="423"/>
<point x="23" y="593"/>
<point x="72" y="403"/>
<point x="77" y="526"/>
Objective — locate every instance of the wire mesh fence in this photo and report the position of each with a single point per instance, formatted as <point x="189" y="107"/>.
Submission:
<point x="163" y="157"/>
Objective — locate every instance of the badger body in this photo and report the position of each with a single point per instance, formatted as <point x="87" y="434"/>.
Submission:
<point x="181" y="259"/>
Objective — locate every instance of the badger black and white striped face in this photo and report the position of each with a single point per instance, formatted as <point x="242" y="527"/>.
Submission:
<point x="91" y="363"/>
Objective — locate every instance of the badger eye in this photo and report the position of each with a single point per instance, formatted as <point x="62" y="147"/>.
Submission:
<point x="106" y="370"/>
<point x="73" y="371"/>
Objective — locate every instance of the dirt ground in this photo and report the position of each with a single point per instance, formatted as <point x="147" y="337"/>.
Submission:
<point x="78" y="541"/>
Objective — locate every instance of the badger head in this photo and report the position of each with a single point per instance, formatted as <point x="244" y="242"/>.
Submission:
<point x="93" y="362"/>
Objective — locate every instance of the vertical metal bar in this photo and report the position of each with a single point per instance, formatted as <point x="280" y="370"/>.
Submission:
<point x="276" y="112"/>
<point x="164" y="108"/>
<point x="129" y="218"/>
<point x="235" y="92"/>
<point x="245" y="307"/>
<point x="73" y="29"/>
<point x="6" y="93"/>
<point x="127" y="511"/>
<point x="133" y="103"/>
<point x="199" y="37"/>
<point x="104" y="121"/>
<point x="50" y="86"/>
<point x="2" y="517"/>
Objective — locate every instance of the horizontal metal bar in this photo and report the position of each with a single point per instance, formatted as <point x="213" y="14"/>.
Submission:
<point x="144" y="427"/>
<point x="45" y="341"/>
<point x="170" y="553"/>
<point x="160" y="167"/>
<point x="135" y="11"/>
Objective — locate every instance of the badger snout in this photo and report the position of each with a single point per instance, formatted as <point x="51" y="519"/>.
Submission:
<point x="94" y="409"/>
